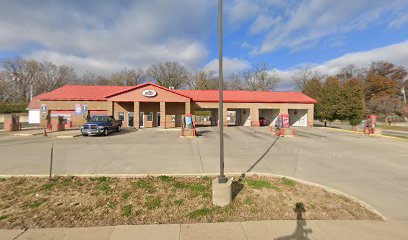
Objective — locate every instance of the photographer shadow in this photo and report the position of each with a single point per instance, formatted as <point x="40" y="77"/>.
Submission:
<point x="301" y="232"/>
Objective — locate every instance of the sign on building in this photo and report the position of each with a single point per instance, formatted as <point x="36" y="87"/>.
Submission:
<point x="85" y="109"/>
<point x="43" y="108"/>
<point x="78" y="108"/>
<point x="149" y="93"/>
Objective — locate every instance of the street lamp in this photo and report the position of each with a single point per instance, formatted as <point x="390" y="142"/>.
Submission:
<point x="221" y="177"/>
<point x="221" y="186"/>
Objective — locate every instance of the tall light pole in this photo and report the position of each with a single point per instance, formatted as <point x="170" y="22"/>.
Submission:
<point x="221" y="178"/>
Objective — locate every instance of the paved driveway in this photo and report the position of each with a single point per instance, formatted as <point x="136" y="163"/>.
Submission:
<point x="372" y="169"/>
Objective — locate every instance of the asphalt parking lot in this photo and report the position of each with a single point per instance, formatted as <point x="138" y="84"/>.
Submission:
<point x="369" y="168"/>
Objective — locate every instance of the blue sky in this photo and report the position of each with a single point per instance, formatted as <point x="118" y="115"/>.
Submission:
<point x="107" y="36"/>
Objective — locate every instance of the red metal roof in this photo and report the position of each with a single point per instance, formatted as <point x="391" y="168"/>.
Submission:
<point x="101" y="93"/>
<point x="247" y="96"/>
<point x="83" y="92"/>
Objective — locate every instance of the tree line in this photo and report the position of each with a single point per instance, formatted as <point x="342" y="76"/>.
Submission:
<point x="353" y="93"/>
<point x="19" y="77"/>
<point x="349" y="95"/>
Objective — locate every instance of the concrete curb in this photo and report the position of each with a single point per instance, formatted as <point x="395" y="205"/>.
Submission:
<point x="371" y="135"/>
<point x="232" y="175"/>
<point x="27" y="134"/>
<point x="68" y="136"/>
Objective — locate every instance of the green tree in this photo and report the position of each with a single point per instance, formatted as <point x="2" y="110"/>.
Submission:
<point x="351" y="105"/>
<point x="329" y="100"/>
<point x="313" y="89"/>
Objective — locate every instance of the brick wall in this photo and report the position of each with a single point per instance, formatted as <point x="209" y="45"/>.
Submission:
<point x="171" y="108"/>
<point x="77" y="120"/>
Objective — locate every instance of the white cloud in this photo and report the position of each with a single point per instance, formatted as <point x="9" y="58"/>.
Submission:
<point x="230" y="66"/>
<point x="105" y="35"/>
<point x="397" y="54"/>
<point x="303" y="24"/>
<point x="80" y="64"/>
<point x="399" y="22"/>
<point x="262" y="23"/>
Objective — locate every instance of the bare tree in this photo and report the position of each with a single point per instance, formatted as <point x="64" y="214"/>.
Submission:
<point x="260" y="78"/>
<point x="350" y="71"/>
<point x="19" y="77"/>
<point x="168" y="74"/>
<point x="51" y="76"/>
<point x="305" y="74"/>
<point x="128" y="77"/>
<point x="91" y="78"/>
<point x="389" y="70"/>
<point x="4" y="89"/>
<point x="202" y="80"/>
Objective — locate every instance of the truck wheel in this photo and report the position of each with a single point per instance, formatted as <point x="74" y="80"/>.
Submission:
<point x="84" y="134"/>
<point x="119" y="128"/>
<point x="105" y="132"/>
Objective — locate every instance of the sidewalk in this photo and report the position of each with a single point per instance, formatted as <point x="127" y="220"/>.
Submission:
<point x="257" y="230"/>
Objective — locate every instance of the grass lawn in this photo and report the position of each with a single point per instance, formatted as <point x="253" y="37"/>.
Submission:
<point x="79" y="202"/>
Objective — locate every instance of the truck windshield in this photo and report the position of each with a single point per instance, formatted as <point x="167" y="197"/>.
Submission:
<point x="99" y="119"/>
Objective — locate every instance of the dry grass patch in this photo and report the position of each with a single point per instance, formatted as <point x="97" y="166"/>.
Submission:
<point x="80" y="202"/>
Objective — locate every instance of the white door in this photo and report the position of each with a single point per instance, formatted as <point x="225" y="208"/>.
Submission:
<point x="33" y="116"/>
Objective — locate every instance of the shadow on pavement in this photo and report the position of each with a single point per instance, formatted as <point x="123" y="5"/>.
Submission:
<point x="259" y="159"/>
<point x="301" y="232"/>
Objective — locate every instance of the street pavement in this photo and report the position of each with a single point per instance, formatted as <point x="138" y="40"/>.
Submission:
<point x="258" y="230"/>
<point x="371" y="169"/>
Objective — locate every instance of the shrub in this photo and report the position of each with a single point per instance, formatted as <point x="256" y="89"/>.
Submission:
<point x="13" y="107"/>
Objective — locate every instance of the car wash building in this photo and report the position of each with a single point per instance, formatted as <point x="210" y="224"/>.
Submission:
<point x="150" y="105"/>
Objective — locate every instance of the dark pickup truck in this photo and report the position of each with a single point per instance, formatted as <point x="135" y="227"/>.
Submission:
<point x="101" y="125"/>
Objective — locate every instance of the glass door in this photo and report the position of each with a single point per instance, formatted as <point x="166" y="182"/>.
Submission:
<point x="131" y="117"/>
<point x="158" y="119"/>
<point x="141" y="119"/>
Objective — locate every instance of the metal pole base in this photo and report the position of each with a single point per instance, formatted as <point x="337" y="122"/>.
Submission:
<point x="221" y="192"/>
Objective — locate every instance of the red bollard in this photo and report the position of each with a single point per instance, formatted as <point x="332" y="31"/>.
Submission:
<point x="282" y="132"/>
<point x="45" y="133"/>
<point x="294" y="132"/>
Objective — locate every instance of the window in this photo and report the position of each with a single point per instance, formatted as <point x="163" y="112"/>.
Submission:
<point x="121" y="116"/>
<point x="150" y="116"/>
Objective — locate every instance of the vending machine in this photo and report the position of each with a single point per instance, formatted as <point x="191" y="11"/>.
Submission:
<point x="283" y="121"/>
<point x="188" y="129"/>
<point x="372" y="123"/>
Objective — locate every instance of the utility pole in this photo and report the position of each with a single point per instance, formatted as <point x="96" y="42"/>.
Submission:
<point x="31" y="92"/>
<point x="221" y="178"/>
<point x="221" y="186"/>
<point x="403" y="93"/>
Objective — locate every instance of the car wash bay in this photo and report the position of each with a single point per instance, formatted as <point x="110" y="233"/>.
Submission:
<point x="253" y="114"/>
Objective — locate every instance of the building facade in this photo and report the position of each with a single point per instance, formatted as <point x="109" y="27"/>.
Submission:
<point x="150" y="105"/>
